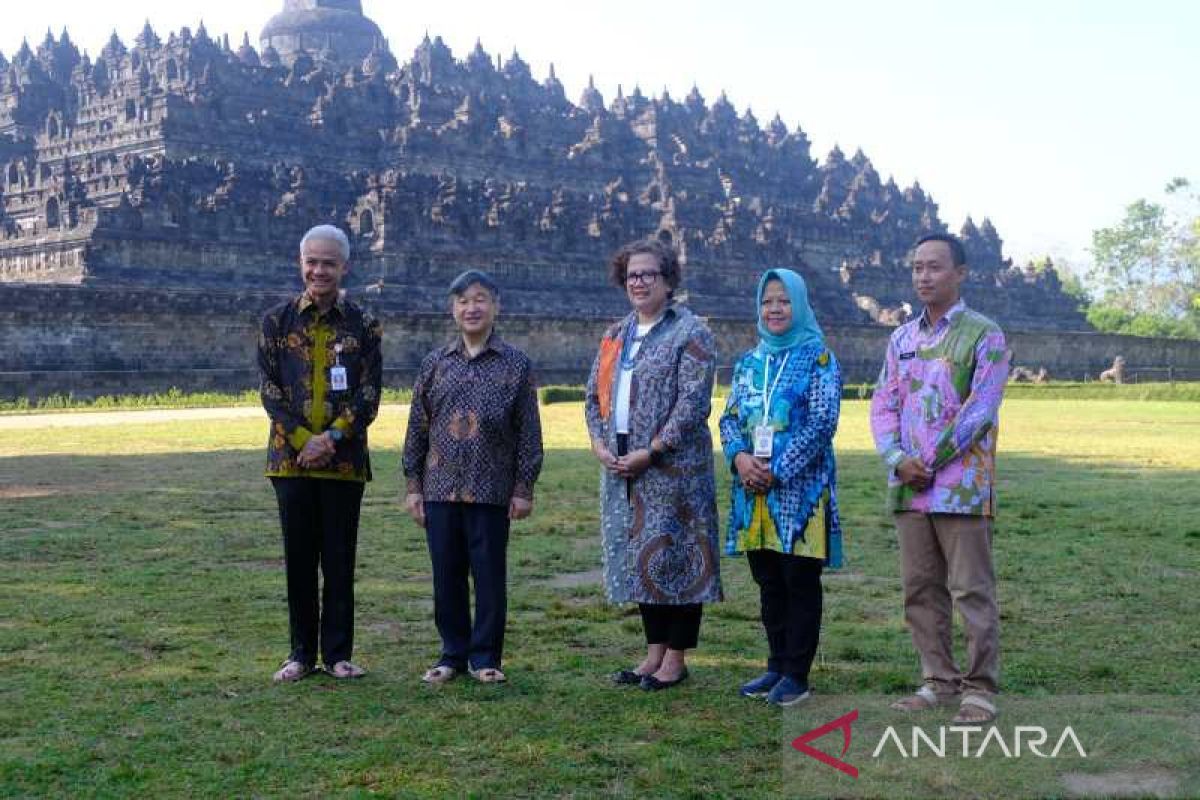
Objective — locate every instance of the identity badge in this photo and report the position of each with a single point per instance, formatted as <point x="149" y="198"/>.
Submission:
<point x="337" y="379"/>
<point x="764" y="441"/>
<point x="337" y="373"/>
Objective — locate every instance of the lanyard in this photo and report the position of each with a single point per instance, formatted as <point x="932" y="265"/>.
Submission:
<point x="627" y="361"/>
<point x="767" y="393"/>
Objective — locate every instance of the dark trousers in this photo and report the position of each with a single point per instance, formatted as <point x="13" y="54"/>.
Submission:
<point x="469" y="538"/>
<point x="678" y="627"/>
<point x="790" y="589"/>
<point x="320" y="532"/>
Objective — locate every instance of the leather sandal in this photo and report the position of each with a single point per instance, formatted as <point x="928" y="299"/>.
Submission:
<point x="975" y="710"/>
<point x="439" y="674"/>
<point x="488" y="675"/>
<point x="344" y="670"/>
<point x="924" y="699"/>
<point x="291" y="671"/>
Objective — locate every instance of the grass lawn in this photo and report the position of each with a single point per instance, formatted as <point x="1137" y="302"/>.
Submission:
<point x="142" y="611"/>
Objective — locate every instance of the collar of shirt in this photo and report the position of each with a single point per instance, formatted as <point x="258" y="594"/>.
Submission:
<point x="947" y="318"/>
<point x="304" y="302"/>
<point x="457" y="345"/>
<point x="668" y="314"/>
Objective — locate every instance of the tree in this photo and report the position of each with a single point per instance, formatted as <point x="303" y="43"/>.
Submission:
<point x="1109" y="319"/>
<point x="1073" y="286"/>
<point x="1147" y="267"/>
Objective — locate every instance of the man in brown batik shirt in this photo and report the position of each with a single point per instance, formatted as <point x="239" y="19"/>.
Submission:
<point x="471" y="456"/>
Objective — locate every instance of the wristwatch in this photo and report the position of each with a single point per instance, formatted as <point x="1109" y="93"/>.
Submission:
<point x="656" y="456"/>
<point x="336" y="434"/>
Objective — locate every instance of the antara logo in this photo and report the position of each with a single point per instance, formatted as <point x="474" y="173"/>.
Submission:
<point x="1025" y="739"/>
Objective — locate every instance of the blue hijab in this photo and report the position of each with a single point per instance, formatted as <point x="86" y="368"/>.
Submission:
<point x="804" y="330"/>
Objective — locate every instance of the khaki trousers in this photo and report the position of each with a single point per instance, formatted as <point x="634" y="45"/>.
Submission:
<point x="946" y="559"/>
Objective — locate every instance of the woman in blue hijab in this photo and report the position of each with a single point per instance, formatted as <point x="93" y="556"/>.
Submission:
<point x="777" y="434"/>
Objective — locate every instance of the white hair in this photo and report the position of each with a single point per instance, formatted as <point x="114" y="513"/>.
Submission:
<point x="330" y="233"/>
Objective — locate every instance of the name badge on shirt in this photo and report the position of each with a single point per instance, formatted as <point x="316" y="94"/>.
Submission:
<point x="907" y="356"/>
<point x="337" y="373"/>
<point x="337" y="379"/>
<point x="764" y="441"/>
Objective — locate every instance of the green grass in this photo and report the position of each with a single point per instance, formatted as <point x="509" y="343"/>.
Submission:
<point x="143" y="609"/>
<point x="174" y="398"/>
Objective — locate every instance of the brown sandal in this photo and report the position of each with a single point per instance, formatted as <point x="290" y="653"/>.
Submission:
<point x="975" y="710"/>
<point x="924" y="699"/>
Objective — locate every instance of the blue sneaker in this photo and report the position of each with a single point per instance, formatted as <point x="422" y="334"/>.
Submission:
<point x="760" y="686"/>
<point x="788" y="692"/>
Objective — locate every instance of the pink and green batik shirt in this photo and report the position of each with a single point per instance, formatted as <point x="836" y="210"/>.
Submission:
<point x="938" y="399"/>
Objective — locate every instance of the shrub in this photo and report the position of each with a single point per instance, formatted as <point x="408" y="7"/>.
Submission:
<point x="562" y="394"/>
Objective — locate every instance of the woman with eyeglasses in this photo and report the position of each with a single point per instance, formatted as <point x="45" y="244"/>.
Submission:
<point x="648" y="401"/>
<point x="777" y="434"/>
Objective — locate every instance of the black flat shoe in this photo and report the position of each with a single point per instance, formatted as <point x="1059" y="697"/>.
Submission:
<point x="626" y="677"/>
<point x="653" y="684"/>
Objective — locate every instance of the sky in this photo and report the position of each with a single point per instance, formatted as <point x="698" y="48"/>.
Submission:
<point x="1047" y="116"/>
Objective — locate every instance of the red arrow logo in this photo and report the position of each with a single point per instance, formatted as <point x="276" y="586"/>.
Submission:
<point x="843" y="724"/>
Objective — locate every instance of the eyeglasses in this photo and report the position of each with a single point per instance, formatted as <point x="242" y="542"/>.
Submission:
<point x="642" y="278"/>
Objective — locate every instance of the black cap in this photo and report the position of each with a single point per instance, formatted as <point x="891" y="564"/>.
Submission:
<point x="471" y="277"/>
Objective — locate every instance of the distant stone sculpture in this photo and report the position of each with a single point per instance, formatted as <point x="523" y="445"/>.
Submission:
<point x="1027" y="375"/>
<point x="1115" y="373"/>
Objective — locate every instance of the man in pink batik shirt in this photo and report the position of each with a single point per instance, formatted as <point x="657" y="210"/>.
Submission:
<point x="934" y="418"/>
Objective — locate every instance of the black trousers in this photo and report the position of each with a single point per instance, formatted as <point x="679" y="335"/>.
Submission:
<point x="320" y="532"/>
<point x="790" y="590"/>
<point x="678" y="627"/>
<point x="469" y="538"/>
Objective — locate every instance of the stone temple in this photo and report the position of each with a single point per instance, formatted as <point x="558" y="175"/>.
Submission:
<point x="172" y="167"/>
<point x="334" y="26"/>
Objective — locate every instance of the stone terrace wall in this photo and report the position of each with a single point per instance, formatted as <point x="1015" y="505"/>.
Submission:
<point x="59" y="339"/>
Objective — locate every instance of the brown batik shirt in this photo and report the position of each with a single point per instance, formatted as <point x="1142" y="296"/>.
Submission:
<point x="474" y="433"/>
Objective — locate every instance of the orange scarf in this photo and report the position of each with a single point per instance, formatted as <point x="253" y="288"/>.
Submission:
<point x="610" y="356"/>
